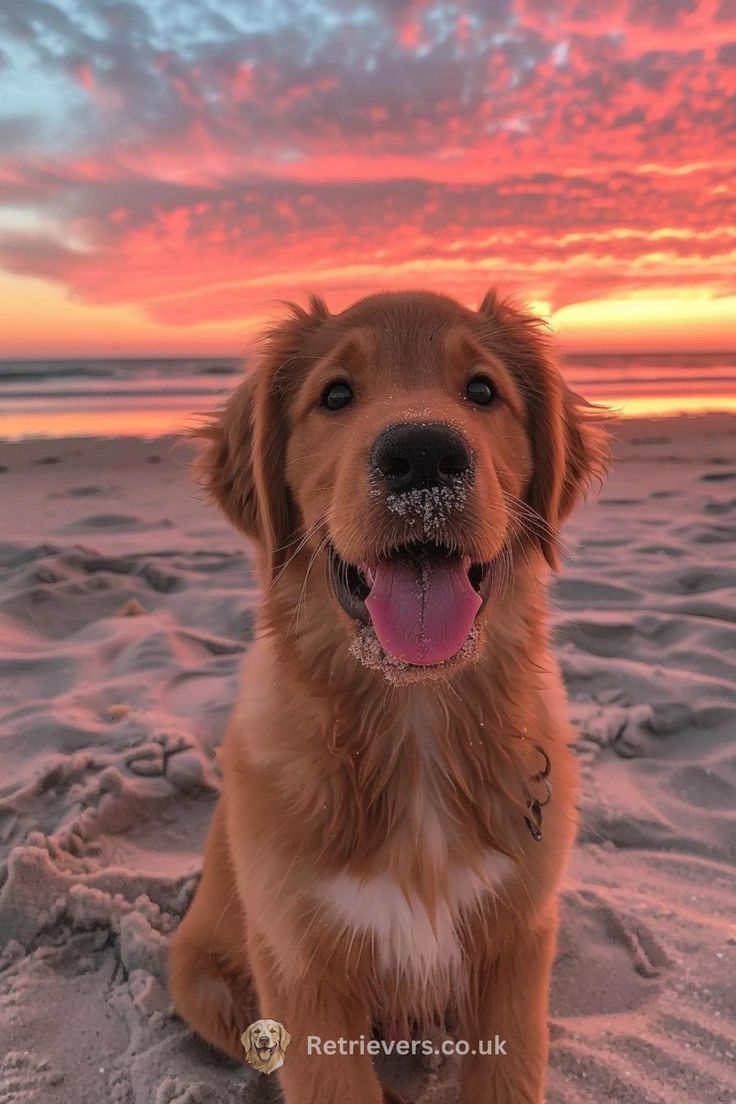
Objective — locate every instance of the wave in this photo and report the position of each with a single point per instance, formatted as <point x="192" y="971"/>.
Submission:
<point x="12" y="373"/>
<point x="15" y="371"/>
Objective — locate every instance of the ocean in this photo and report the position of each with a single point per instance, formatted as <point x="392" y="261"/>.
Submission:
<point x="150" y="397"/>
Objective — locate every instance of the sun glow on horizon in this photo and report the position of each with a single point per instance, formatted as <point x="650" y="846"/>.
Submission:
<point x="38" y="319"/>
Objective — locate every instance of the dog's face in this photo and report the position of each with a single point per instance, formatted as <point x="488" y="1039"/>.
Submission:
<point x="410" y="448"/>
<point x="265" y="1043"/>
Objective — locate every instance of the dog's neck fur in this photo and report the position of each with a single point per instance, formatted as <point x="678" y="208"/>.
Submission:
<point x="458" y="742"/>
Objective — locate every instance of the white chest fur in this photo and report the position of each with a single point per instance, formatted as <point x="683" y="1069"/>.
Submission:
<point x="393" y="918"/>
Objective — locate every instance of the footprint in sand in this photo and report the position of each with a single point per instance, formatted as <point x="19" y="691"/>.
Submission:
<point x="617" y="954"/>
<point x="159" y="580"/>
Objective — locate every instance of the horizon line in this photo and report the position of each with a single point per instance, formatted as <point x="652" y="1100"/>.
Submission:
<point x="244" y="356"/>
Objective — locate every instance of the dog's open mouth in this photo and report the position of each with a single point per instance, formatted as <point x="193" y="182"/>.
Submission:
<point x="422" y="599"/>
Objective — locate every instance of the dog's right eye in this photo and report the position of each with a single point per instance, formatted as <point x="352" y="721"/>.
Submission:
<point x="337" y="395"/>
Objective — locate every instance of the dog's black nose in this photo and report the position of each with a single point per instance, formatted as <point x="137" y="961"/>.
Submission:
<point x="413" y="455"/>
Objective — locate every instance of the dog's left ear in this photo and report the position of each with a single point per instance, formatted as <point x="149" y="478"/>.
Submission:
<point x="570" y="444"/>
<point x="284" y="1037"/>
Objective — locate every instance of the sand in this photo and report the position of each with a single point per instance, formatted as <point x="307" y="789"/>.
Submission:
<point x="125" y="607"/>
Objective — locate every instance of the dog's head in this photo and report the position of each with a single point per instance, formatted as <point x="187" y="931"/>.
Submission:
<point x="409" y="452"/>
<point x="265" y="1043"/>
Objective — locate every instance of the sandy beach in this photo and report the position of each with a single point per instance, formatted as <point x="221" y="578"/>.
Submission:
<point x="126" y="604"/>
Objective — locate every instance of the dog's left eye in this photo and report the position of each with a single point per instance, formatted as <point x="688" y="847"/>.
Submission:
<point x="337" y="395"/>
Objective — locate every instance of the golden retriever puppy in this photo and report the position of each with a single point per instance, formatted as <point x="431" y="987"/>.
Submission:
<point x="398" y="792"/>
<point x="264" y="1044"/>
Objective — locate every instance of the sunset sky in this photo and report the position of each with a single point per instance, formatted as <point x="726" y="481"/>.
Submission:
<point x="170" y="169"/>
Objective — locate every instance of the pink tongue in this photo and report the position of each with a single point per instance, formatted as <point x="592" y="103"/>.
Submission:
<point x="423" y="611"/>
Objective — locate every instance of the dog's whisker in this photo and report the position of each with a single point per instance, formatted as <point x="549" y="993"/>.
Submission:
<point x="538" y="525"/>
<point x="302" y="542"/>
<point x="302" y="595"/>
<point x="300" y="538"/>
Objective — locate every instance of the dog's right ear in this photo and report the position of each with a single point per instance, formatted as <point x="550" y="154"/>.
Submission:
<point x="242" y="463"/>
<point x="225" y="464"/>
<point x="246" y="1039"/>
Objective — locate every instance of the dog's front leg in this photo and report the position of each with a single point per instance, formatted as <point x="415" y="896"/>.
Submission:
<point x="508" y="1028"/>
<point x="317" y="1013"/>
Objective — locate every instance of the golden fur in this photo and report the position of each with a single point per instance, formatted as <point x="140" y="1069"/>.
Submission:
<point x="369" y="861"/>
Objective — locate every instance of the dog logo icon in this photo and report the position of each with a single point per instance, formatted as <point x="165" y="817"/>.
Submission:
<point x="265" y="1043"/>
